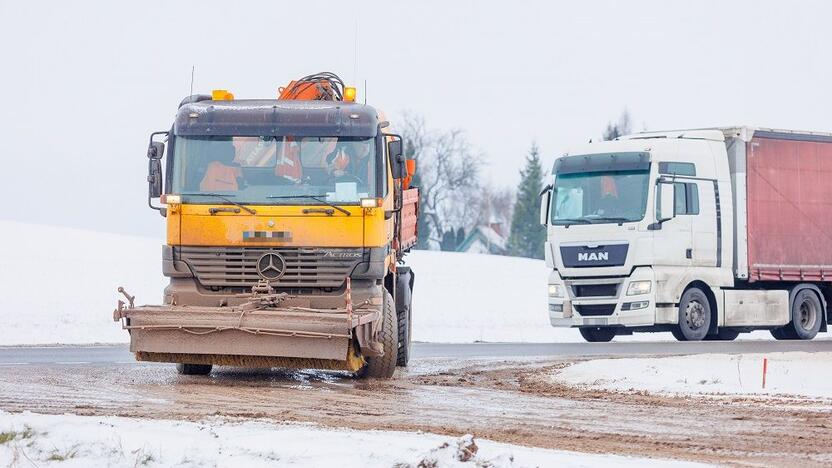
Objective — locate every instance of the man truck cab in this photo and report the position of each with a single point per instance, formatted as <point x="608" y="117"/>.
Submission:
<point x="679" y="231"/>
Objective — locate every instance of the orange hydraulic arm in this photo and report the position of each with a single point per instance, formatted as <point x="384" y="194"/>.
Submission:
<point x="318" y="87"/>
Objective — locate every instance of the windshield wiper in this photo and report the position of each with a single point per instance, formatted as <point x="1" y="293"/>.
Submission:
<point x="223" y="197"/>
<point x="317" y="198"/>
<point x="614" y="219"/>
<point x="569" y="221"/>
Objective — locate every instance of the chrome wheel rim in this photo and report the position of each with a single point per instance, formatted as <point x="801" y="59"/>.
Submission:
<point x="695" y="315"/>
<point x="808" y="315"/>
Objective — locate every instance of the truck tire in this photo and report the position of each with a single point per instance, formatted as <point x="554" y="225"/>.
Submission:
<point x="694" y="316"/>
<point x="724" y="334"/>
<point x="597" y="334"/>
<point x="784" y="333"/>
<point x="405" y="326"/>
<point x="382" y="367"/>
<point x="193" y="369"/>
<point x="807" y="314"/>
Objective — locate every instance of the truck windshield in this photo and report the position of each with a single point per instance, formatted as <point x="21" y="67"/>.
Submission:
<point x="600" y="197"/>
<point x="272" y="170"/>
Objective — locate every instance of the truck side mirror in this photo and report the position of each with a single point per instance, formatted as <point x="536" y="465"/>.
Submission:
<point x="155" y="151"/>
<point x="666" y="204"/>
<point x="545" y="200"/>
<point x="398" y="163"/>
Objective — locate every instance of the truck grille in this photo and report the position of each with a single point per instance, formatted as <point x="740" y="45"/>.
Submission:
<point x="595" y="290"/>
<point x="237" y="266"/>
<point x="588" y="310"/>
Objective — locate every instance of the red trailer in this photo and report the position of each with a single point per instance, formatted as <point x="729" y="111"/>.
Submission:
<point x="789" y="201"/>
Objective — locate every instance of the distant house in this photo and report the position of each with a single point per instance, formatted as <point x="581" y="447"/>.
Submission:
<point x="487" y="239"/>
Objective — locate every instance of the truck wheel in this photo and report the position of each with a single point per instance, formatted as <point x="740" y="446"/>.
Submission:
<point x="694" y="316"/>
<point x="597" y="334"/>
<point x="724" y="334"/>
<point x="784" y="333"/>
<point x="405" y="328"/>
<point x="382" y="367"/>
<point x="193" y="369"/>
<point x="807" y="314"/>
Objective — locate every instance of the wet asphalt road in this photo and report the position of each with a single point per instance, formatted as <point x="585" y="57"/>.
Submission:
<point x="120" y="355"/>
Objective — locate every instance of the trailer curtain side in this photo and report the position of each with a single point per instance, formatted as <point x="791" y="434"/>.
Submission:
<point x="788" y="203"/>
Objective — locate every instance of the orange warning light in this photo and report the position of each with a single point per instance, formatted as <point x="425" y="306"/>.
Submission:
<point x="349" y="94"/>
<point x="221" y="95"/>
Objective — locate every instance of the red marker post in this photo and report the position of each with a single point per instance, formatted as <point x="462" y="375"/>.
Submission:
<point x="765" y="369"/>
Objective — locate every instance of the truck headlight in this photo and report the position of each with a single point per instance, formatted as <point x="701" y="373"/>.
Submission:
<point x="639" y="287"/>
<point x="555" y="291"/>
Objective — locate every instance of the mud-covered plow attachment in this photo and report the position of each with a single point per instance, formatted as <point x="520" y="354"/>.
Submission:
<point x="261" y="332"/>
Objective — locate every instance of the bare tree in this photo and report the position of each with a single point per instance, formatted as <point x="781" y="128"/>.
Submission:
<point x="448" y="169"/>
<point x="415" y="134"/>
<point x="494" y="205"/>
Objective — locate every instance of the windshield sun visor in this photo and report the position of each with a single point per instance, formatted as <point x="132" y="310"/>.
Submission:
<point x="629" y="161"/>
<point x="271" y="117"/>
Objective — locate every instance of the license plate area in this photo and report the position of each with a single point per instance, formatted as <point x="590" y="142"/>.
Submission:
<point x="595" y="321"/>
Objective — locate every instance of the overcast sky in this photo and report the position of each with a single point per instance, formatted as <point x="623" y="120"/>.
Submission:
<point x="83" y="84"/>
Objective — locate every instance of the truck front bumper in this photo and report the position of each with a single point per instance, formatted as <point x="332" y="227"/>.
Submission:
<point x="577" y="306"/>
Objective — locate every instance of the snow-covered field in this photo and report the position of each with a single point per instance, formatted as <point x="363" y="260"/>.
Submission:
<point x="28" y="439"/>
<point x="792" y="373"/>
<point x="59" y="286"/>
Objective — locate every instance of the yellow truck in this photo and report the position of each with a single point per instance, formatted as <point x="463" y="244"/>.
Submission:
<point x="287" y="223"/>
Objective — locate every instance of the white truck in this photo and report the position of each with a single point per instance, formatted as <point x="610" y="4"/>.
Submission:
<point x="705" y="233"/>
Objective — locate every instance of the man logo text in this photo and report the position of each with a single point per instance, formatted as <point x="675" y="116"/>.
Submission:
<point x="585" y="257"/>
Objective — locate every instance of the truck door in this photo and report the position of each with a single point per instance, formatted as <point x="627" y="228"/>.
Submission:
<point x="701" y="207"/>
<point x="673" y="243"/>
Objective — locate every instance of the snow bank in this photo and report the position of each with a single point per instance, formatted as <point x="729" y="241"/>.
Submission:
<point x="81" y="441"/>
<point x="460" y="297"/>
<point x="792" y="373"/>
<point x="59" y="286"/>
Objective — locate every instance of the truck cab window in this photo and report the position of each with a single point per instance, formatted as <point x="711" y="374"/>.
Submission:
<point x="600" y="197"/>
<point x="275" y="169"/>
<point x="686" y="198"/>
<point x="677" y="168"/>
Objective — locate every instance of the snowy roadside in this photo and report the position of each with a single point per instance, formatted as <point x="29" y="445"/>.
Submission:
<point x="81" y="441"/>
<point x="458" y="298"/>
<point x="788" y="374"/>
<point x="59" y="284"/>
<point x="66" y="295"/>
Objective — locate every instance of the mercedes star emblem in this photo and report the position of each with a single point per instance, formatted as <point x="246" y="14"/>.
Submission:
<point x="271" y="266"/>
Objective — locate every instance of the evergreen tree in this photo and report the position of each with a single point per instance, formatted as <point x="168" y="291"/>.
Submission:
<point x="448" y="241"/>
<point x="460" y="237"/>
<point x="527" y="236"/>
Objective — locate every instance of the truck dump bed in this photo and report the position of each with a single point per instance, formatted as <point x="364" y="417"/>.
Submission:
<point x="789" y="206"/>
